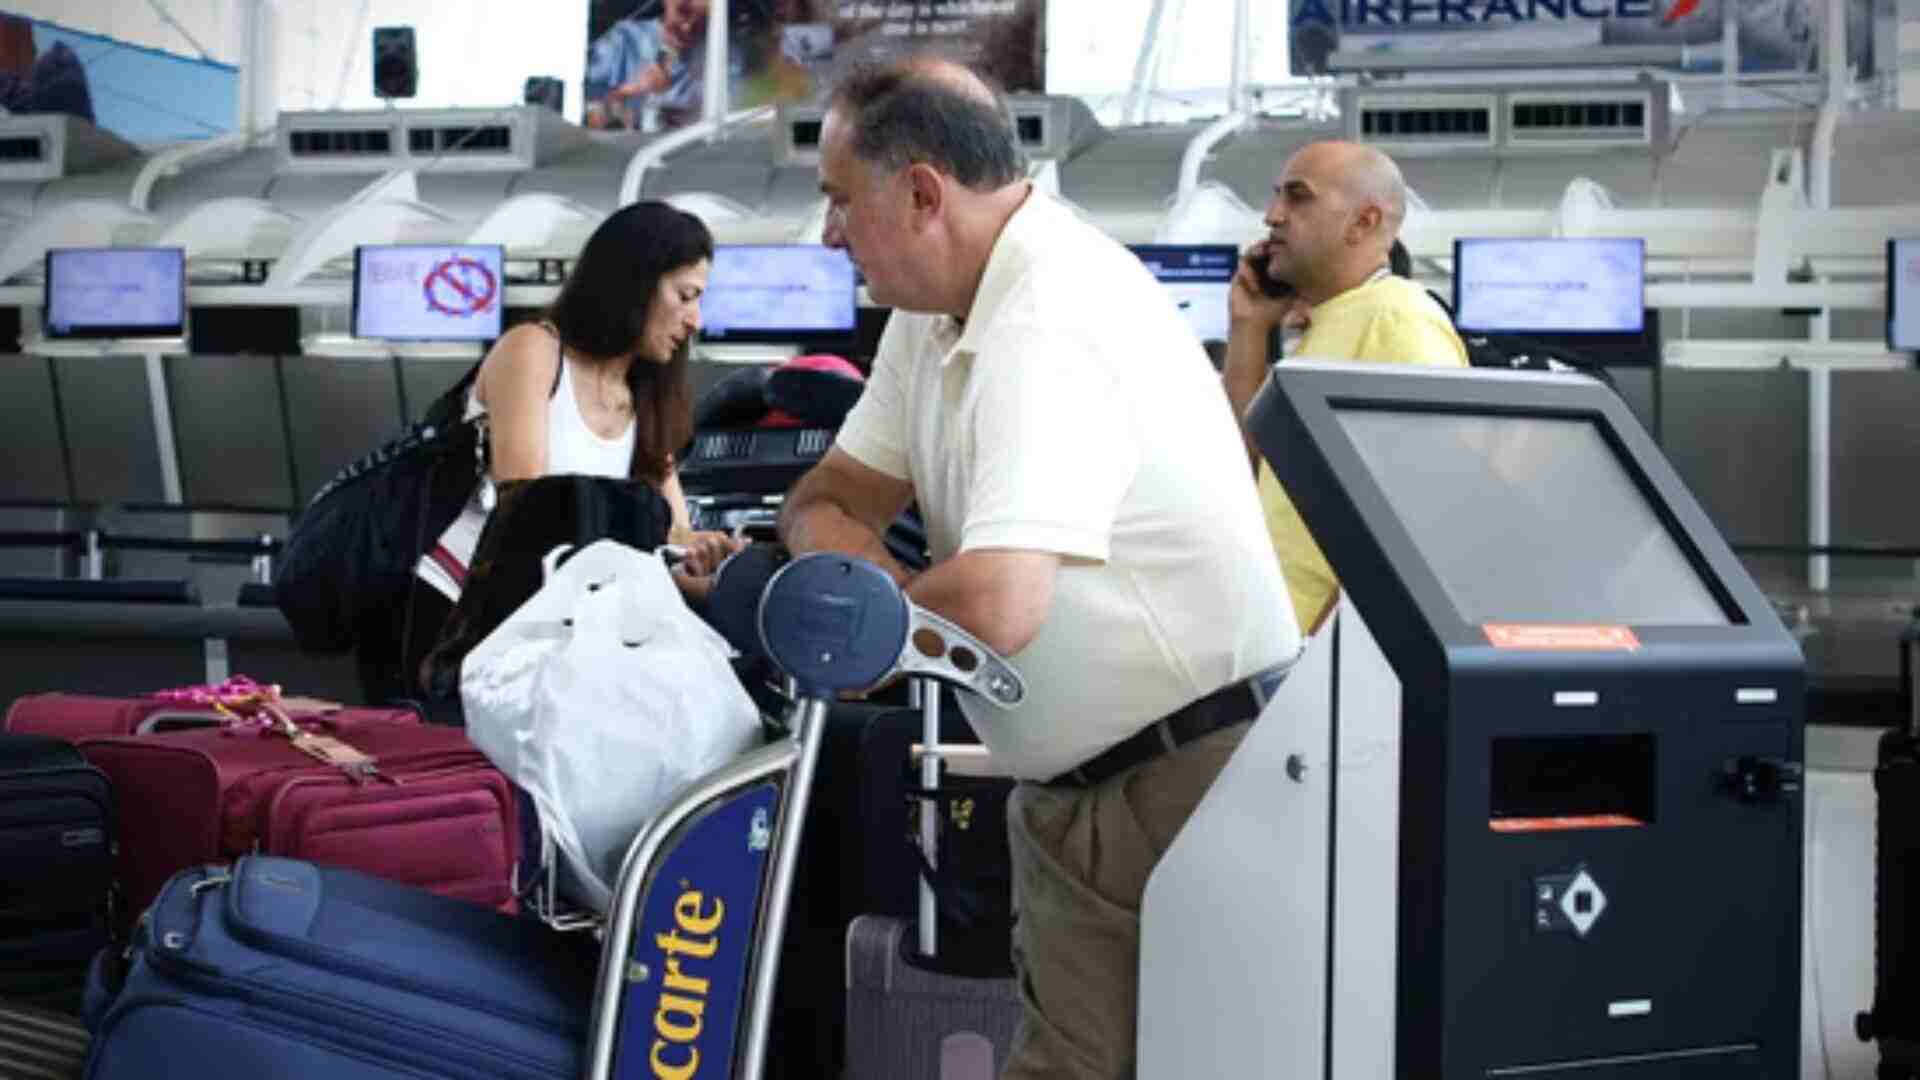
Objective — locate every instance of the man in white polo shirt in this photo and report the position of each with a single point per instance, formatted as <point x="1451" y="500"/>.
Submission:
<point x="1089" y="511"/>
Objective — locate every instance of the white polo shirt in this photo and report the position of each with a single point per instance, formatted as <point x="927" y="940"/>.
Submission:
<point x="1077" y="414"/>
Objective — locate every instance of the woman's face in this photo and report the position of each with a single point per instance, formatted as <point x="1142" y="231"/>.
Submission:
<point x="673" y="315"/>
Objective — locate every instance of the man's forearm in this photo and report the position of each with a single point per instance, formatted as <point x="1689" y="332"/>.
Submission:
<point x="1003" y="610"/>
<point x="821" y="525"/>
<point x="1245" y="369"/>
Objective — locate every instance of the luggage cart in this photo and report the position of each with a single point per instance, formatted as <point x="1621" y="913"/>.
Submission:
<point x="693" y="936"/>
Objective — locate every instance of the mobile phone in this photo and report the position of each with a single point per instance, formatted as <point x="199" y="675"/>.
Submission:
<point x="1271" y="287"/>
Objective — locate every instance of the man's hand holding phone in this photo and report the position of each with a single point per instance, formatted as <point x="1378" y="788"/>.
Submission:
<point x="1256" y="301"/>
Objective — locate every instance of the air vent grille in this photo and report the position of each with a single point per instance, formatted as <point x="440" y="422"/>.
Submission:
<point x="465" y="139"/>
<point x="23" y="148"/>
<point x="1424" y="124"/>
<point x="339" y="142"/>
<point x="1580" y="119"/>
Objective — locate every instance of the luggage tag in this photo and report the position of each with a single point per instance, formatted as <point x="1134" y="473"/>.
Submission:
<point x="325" y="749"/>
<point x="310" y="705"/>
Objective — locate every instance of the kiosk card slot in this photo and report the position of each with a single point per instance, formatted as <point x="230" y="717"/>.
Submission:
<point x="1563" y="782"/>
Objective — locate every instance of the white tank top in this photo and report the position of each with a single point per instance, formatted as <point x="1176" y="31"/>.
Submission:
<point x="572" y="447"/>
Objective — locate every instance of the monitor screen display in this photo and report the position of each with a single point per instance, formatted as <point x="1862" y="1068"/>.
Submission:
<point x="116" y="292"/>
<point x="1519" y="286"/>
<point x="777" y="290"/>
<point x="1903" y="295"/>
<point x="428" y="292"/>
<point x="1530" y="519"/>
<point x="1198" y="276"/>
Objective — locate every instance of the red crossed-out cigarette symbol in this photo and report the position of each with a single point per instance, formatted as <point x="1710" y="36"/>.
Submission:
<point x="460" y="286"/>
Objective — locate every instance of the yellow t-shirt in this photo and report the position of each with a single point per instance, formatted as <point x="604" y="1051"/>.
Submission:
<point x="1390" y="321"/>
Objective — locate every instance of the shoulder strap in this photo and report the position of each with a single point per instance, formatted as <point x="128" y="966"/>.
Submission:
<point x="560" y="351"/>
<point x="449" y="408"/>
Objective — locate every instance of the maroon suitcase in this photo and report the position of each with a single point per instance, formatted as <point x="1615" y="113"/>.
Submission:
<point x="75" y="716"/>
<point x="433" y="813"/>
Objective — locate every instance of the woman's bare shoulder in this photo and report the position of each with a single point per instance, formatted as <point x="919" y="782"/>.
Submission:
<point x="526" y="356"/>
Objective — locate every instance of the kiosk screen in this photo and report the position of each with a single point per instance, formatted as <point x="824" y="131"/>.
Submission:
<point x="792" y="291"/>
<point x="116" y="292"/>
<point x="1538" y="522"/>
<point x="1511" y="285"/>
<point x="1903" y="295"/>
<point x="410" y="292"/>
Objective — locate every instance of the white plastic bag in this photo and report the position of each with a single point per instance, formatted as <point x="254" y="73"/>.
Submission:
<point x="601" y="696"/>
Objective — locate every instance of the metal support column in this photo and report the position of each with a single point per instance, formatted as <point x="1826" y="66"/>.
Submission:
<point x="717" y="97"/>
<point x="162" y="407"/>
<point x="1143" y="67"/>
<point x="1833" y="64"/>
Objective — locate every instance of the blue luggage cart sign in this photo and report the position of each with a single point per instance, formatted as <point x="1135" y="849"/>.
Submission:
<point x="687" y="972"/>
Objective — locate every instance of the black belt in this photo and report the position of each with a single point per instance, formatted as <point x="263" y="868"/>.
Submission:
<point x="1231" y="704"/>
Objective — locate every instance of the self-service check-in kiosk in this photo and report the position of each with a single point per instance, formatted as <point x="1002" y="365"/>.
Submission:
<point x="1528" y="806"/>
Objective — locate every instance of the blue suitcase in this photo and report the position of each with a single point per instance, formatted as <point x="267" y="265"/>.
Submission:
<point x="278" y="967"/>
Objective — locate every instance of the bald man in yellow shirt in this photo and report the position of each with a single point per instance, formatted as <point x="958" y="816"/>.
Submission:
<point x="1336" y="211"/>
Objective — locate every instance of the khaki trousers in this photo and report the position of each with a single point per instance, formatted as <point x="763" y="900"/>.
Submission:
<point x="1081" y="858"/>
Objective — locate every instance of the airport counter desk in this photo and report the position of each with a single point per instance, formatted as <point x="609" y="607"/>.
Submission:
<point x="134" y="637"/>
<point x="1530" y="805"/>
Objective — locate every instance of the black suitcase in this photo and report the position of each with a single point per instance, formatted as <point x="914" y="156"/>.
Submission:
<point x="56" y="869"/>
<point x="1895" y="1017"/>
<point x="835" y="873"/>
<point x="970" y="811"/>
<point x="948" y="1014"/>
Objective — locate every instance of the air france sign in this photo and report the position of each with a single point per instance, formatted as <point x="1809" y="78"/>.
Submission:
<point x="1359" y="14"/>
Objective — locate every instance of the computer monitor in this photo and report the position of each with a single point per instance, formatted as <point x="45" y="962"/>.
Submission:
<point x="131" y="292"/>
<point x="1507" y="285"/>
<point x="428" y="292"/>
<point x="1903" y="295"/>
<point x="1198" y="276"/>
<point x="760" y="293"/>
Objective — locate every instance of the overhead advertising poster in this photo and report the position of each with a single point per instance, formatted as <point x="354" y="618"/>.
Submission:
<point x="142" y="95"/>
<point x="1771" y="35"/>
<point x="646" y="59"/>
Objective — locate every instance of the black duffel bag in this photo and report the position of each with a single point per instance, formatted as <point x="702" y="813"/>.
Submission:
<point x="351" y="553"/>
<point x="530" y="519"/>
<point x="973" y="885"/>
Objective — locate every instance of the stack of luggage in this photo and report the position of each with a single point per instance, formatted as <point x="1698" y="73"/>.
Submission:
<point x="107" y="805"/>
<point x="230" y="882"/>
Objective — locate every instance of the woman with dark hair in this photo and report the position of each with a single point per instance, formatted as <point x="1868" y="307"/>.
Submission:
<point x="597" y="387"/>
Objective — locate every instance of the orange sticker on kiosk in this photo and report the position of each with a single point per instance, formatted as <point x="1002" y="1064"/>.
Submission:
<point x="1563" y="823"/>
<point x="1561" y="637"/>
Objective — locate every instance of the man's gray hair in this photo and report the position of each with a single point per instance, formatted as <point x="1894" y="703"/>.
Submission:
<point x="918" y="111"/>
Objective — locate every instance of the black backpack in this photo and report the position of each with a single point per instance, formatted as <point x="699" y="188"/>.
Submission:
<point x="351" y="553"/>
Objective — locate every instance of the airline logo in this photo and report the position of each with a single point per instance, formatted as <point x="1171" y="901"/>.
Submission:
<point x="1356" y="14"/>
<point x="1678" y="10"/>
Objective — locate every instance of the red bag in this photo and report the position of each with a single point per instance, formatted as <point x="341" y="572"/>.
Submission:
<point x="428" y="810"/>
